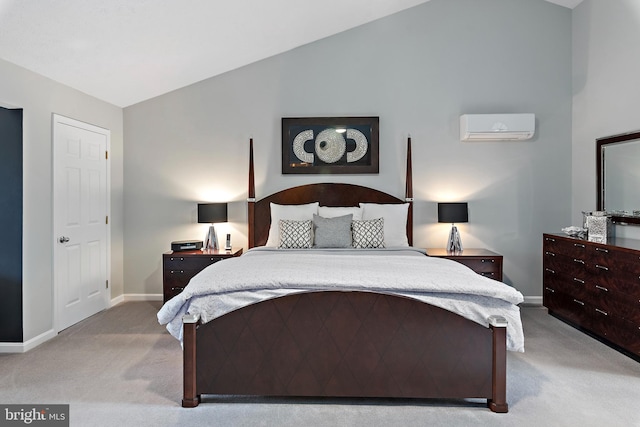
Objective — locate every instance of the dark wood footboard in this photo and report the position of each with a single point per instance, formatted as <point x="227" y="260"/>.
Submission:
<point x="345" y="344"/>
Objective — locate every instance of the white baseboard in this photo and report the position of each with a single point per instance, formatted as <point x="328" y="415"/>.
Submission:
<point x="143" y="297"/>
<point x="532" y="301"/>
<point x="22" y="347"/>
<point x="115" y="301"/>
<point x="135" y="297"/>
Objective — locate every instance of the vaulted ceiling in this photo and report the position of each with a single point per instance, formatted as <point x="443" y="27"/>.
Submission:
<point x="127" y="51"/>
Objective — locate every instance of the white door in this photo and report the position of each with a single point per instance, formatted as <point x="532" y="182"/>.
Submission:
<point x="80" y="210"/>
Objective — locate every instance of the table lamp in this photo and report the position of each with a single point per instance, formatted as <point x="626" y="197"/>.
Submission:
<point x="212" y="213"/>
<point x="453" y="212"/>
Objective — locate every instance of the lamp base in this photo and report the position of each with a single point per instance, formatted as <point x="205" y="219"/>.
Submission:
<point x="454" y="244"/>
<point x="211" y="240"/>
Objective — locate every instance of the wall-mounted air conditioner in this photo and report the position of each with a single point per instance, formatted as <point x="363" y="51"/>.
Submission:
<point x="497" y="127"/>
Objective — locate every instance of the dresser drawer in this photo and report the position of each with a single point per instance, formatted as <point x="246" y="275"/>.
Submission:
<point x="489" y="267"/>
<point x="618" y="281"/>
<point x="614" y="259"/>
<point x="565" y="266"/>
<point x="566" y="306"/>
<point x="568" y="247"/>
<point x="481" y="261"/>
<point x="615" y="303"/>
<point x="191" y="263"/>
<point x="174" y="283"/>
<point x="617" y="330"/>
<point x="570" y="285"/>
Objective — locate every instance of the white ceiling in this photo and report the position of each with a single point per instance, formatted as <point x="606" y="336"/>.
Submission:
<point x="127" y="51"/>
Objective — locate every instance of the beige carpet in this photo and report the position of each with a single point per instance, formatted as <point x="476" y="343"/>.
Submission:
<point x="120" y="368"/>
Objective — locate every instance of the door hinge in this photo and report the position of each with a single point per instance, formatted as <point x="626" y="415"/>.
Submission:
<point x="107" y="284"/>
<point x="106" y="219"/>
<point x="106" y="155"/>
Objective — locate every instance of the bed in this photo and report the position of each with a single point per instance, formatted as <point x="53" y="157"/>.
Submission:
<point x="306" y="337"/>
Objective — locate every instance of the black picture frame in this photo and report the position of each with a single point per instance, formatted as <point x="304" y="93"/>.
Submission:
<point x="330" y="145"/>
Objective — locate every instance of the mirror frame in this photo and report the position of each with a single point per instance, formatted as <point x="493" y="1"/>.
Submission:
<point x="600" y="144"/>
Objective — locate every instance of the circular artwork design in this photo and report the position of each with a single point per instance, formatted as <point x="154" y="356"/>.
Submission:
<point x="361" y="145"/>
<point x="330" y="146"/>
<point x="298" y="146"/>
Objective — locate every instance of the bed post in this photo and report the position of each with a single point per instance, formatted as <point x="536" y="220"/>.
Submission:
<point x="409" y="193"/>
<point x="251" y="199"/>
<point x="189" y="324"/>
<point x="498" y="401"/>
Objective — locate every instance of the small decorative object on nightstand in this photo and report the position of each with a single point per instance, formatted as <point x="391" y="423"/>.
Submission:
<point x="482" y="261"/>
<point x="212" y="213"/>
<point x="179" y="267"/>
<point x="453" y="212"/>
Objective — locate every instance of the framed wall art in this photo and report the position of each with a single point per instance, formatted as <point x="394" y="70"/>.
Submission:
<point x="330" y="145"/>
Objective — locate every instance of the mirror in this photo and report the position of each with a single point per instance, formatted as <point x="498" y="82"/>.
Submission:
<point x="618" y="170"/>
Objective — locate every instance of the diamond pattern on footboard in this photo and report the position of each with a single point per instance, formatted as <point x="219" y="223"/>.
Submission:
<point x="344" y="344"/>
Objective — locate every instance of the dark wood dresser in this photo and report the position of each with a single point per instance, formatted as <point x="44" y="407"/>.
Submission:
<point x="482" y="261"/>
<point x="179" y="267"/>
<point x="595" y="287"/>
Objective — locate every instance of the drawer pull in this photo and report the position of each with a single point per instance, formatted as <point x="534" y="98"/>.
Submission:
<point x="550" y="270"/>
<point x="579" y="302"/>
<point x="579" y="261"/>
<point x="549" y="239"/>
<point x="575" y="279"/>
<point x="177" y="271"/>
<point x="177" y="289"/>
<point x="173" y="259"/>
<point x="606" y="251"/>
<point x="578" y="245"/>
<point x="549" y="253"/>
<point x="602" y="267"/>
<point x="487" y="273"/>
<point x="550" y="290"/>
<point x="488" y="260"/>
<point x="602" y="312"/>
<point x="602" y="288"/>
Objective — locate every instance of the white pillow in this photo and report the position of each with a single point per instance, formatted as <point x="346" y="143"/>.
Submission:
<point x="294" y="212"/>
<point x="395" y="221"/>
<point x="331" y="212"/>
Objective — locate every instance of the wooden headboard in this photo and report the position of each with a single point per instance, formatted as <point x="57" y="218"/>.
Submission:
<point x="327" y="194"/>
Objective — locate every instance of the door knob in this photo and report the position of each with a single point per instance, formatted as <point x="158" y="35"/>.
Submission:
<point x="63" y="239"/>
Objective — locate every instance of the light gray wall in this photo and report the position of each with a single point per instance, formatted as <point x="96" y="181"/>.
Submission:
<point x="40" y="98"/>
<point x="606" y="67"/>
<point x="418" y="70"/>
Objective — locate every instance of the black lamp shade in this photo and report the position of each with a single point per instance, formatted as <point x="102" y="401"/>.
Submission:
<point x="212" y="212"/>
<point x="453" y="212"/>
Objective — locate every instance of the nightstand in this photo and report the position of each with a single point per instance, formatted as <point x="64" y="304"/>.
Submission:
<point x="179" y="267"/>
<point x="482" y="261"/>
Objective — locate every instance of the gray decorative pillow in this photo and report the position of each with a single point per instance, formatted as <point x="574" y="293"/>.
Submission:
<point x="295" y="234"/>
<point x="332" y="232"/>
<point x="368" y="233"/>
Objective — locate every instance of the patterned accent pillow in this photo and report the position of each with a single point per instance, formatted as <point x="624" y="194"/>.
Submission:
<point x="368" y="233"/>
<point x="295" y="234"/>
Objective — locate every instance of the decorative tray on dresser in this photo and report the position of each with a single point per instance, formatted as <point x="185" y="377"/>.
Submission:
<point x="595" y="287"/>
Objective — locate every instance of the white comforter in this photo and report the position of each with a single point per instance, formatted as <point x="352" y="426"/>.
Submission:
<point x="263" y="273"/>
